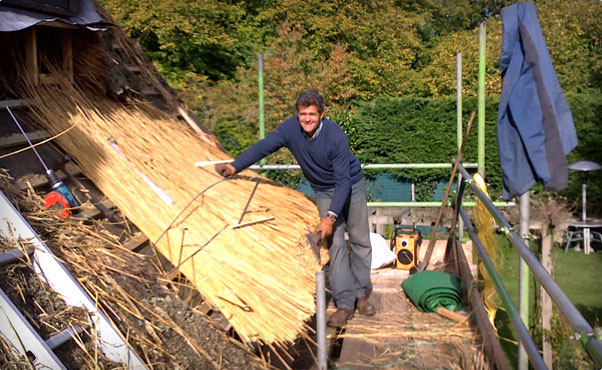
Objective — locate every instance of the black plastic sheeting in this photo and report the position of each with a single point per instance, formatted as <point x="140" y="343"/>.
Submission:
<point x="15" y="19"/>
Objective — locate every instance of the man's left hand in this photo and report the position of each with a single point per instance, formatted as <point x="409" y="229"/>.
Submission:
<point x="325" y="228"/>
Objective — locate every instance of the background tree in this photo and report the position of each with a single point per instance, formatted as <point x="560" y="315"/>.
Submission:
<point x="355" y="52"/>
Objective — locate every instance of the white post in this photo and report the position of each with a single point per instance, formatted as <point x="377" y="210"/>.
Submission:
<point x="584" y="201"/>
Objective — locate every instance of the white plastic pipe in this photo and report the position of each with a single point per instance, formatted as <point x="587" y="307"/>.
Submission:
<point x="209" y="163"/>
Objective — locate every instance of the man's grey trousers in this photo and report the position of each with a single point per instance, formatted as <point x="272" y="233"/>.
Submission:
<point x="349" y="272"/>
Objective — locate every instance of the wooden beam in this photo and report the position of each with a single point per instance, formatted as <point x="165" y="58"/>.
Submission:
<point x="136" y="242"/>
<point x="19" y="139"/>
<point x="90" y="211"/>
<point x="15" y="103"/>
<point x="34" y="181"/>
<point x="491" y="345"/>
<point x="67" y="44"/>
<point x="38" y="180"/>
<point x="31" y="54"/>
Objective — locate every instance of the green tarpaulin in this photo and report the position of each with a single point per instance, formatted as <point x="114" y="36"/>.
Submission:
<point x="430" y="290"/>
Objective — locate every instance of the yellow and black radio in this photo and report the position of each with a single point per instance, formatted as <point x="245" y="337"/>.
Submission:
<point x="406" y="247"/>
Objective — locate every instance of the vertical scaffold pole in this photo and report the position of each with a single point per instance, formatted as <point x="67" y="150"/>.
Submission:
<point x="260" y="98"/>
<point x="321" y="319"/>
<point x="481" y="108"/>
<point x="523" y="278"/>
<point x="459" y="129"/>
<point x="260" y="94"/>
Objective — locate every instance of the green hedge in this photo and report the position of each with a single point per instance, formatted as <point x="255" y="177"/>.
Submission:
<point x="420" y="130"/>
<point x="416" y="130"/>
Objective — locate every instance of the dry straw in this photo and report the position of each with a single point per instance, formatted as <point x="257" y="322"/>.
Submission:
<point x="261" y="277"/>
<point x="416" y="340"/>
<point x="126" y="286"/>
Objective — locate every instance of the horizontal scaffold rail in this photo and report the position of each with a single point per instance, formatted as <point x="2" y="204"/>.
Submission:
<point x="583" y="331"/>
<point x="365" y="166"/>
<point x="268" y="167"/>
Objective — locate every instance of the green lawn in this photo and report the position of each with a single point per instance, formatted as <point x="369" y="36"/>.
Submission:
<point x="577" y="275"/>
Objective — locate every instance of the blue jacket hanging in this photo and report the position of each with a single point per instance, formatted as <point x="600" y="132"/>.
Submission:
<point x="535" y="125"/>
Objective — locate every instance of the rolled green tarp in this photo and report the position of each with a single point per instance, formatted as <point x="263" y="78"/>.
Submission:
<point x="430" y="290"/>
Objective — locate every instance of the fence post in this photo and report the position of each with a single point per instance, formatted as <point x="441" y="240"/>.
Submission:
<point x="546" y="301"/>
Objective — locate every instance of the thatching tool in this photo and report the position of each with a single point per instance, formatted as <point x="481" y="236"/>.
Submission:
<point x="160" y="192"/>
<point x="209" y="163"/>
<point x="313" y="239"/>
<point x="431" y="246"/>
<point x="60" y="196"/>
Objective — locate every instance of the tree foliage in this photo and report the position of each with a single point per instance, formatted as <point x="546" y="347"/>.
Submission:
<point x="392" y="47"/>
<point x="358" y="53"/>
<point x="188" y="37"/>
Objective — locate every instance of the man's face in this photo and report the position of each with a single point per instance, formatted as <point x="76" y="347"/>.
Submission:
<point x="309" y="118"/>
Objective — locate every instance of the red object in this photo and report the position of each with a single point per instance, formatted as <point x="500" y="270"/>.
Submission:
<point x="58" y="201"/>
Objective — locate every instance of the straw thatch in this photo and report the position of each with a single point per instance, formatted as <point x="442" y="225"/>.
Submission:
<point x="157" y="324"/>
<point x="261" y="277"/>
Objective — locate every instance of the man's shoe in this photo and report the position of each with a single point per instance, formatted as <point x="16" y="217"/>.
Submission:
<point x="364" y="307"/>
<point x="340" y="317"/>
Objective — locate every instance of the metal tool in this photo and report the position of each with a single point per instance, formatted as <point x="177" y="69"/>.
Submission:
<point x="60" y="195"/>
<point x="431" y="245"/>
<point x="314" y="239"/>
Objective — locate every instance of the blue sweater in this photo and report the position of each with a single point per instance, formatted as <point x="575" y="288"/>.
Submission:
<point x="326" y="160"/>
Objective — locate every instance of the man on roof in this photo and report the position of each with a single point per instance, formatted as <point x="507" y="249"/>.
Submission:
<point x="322" y="150"/>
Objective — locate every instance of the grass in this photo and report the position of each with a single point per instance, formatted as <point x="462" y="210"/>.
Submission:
<point x="577" y="274"/>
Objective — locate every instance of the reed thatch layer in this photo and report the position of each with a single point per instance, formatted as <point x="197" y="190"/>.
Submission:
<point x="159" y="326"/>
<point x="261" y="277"/>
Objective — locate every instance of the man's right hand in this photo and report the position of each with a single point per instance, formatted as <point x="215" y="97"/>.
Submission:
<point x="325" y="228"/>
<point x="225" y="169"/>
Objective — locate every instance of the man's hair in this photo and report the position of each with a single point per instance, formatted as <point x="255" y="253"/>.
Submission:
<point x="310" y="97"/>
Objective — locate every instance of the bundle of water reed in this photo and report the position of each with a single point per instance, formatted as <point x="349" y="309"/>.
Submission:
<point x="261" y="277"/>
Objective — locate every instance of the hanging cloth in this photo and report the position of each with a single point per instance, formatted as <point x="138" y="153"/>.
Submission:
<point x="535" y="125"/>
